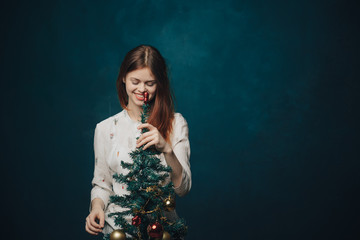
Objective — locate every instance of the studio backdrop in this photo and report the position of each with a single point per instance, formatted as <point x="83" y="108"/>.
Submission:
<point x="269" y="89"/>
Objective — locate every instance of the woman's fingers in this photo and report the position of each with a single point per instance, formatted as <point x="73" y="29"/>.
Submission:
<point x="146" y="140"/>
<point x="152" y="137"/>
<point x="94" y="229"/>
<point x="94" y="226"/>
<point x="144" y="135"/>
<point x="90" y="231"/>
<point x="91" y="225"/>
<point x="102" y="219"/>
<point x="93" y="222"/>
<point x="149" y="144"/>
<point x="146" y="125"/>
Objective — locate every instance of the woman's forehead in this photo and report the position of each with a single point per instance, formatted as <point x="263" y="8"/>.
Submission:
<point x="143" y="74"/>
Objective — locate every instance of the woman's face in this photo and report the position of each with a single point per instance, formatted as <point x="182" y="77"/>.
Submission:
<point x="137" y="82"/>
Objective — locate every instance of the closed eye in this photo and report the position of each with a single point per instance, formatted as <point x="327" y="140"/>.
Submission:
<point x="150" y="83"/>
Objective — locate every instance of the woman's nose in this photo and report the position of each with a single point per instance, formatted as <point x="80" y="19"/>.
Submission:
<point x="142" y="87"/>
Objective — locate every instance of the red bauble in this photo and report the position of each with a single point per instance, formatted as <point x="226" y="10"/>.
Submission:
<point x="146" y="97"/>
<point x="136" y="221"/>
<point x="155" y="230"/>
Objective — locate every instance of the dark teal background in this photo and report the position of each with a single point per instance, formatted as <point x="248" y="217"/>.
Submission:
<point x="269" y="88"/>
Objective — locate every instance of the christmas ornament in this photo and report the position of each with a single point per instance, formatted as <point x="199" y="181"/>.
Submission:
<point x="136" y="221"/>
<point x="117" y="235"/>
<point x="169" y="203"/>
<point x="166" y="236"/>
<point x="155" y="230"/>
<point x="146" y="97"/>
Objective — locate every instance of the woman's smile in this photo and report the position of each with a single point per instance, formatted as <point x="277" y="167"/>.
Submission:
<point x="139" y="96"/>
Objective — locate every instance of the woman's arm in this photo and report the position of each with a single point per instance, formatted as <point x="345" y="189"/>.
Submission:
<point x="173" y="162"/>
<point x="181" y="149"/>
<point x="102" y="182"/>
<point x="102" y="186"/>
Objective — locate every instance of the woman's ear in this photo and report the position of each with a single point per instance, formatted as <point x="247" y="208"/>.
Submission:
<point x="123" y="80"/>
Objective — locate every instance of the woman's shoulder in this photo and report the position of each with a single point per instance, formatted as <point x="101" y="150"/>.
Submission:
<point x="179" y="119"/>
<point x="180" y="128"/>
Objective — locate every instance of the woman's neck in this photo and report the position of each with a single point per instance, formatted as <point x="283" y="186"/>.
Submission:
<point x="134" y="112"/>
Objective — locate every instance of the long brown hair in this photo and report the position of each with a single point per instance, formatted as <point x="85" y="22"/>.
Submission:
<point x="162" y="106"/>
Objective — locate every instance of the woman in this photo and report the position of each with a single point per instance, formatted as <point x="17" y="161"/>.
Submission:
<point x="143" y="70"/>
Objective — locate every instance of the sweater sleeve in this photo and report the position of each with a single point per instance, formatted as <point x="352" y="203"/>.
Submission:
<point x="181" y="148"/>
<point x="101" y="183"/>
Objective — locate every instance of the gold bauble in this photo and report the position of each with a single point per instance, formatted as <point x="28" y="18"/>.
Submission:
<point x="166" y="236"/>
<point x="169" y="203"/>
<point x="117" y="235"/>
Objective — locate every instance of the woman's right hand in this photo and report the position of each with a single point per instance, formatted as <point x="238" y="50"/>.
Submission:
<point x="92" y="226"/>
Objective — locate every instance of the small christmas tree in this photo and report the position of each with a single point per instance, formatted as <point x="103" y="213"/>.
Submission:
<point x="149" y="196"/>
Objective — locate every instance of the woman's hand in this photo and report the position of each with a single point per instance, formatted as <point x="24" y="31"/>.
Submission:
<point x="152" y="137"/>
<point x="92" y="226"/>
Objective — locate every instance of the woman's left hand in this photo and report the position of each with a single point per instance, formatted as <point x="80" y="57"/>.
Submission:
<point x="152" y="137"/>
